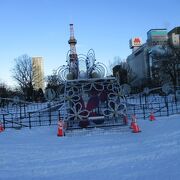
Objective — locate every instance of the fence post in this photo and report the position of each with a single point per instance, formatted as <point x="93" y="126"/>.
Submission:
<point x="166" y="102"/>
<point x="176" y="105"/>
<point x="172" y="108"/>
<point x="160" y="109"/>
<point x="20" y="110"/>
<point x="59" y="115"/>
<point x="144" y="112"/>
<point x="39" y="119"/>
<point x="145" y="99"/>
<point x="4" y="121"/>
<point x="12" y="120"/>
<point x="167" y="107"/>
<point x="29" y="120"/>
<point x="134" y="110"/>
<point x="140" y="99"/>
<point x="24" y="110"/>
<point x="49" y="116"/>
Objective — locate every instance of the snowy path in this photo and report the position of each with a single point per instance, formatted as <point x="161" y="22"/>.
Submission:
<point x="39" y="154"/>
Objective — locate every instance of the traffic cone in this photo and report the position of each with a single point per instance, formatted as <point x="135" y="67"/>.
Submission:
<point x="152" y="117"/>
<point x="60" y="128"/>
<point x="1" y="127"/>
<point x="132" y="121"/>
<point x="135" y="126"/>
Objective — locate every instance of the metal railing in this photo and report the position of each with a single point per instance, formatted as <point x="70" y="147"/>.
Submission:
<point x="47" y="114"/>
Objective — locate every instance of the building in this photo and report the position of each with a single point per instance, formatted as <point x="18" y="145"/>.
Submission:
<point x="147" y="59"/>
<point x="174" y="37"/>
<point x="38" y="73"/>
<point x="157" y="37"/>
<point x="138" y="61"/>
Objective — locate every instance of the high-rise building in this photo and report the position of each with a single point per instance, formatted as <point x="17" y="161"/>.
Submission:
<point x="38" y="72"/>
<point x="146" y="60"/>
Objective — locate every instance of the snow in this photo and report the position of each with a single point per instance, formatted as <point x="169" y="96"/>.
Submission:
<point x="38" y="153"/>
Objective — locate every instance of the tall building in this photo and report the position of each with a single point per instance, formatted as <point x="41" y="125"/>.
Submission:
<point x="147" y="59"/>
<point x="38" y="72"/>
<point x="139" y="63"/>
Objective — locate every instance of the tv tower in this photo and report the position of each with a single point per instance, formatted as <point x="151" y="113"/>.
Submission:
<point x="72" y="42"/>
<point x="73" y="55"/>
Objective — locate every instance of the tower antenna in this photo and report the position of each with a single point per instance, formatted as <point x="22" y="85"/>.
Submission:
<point x="72" y="42"/>
<point x="73" y="55"/>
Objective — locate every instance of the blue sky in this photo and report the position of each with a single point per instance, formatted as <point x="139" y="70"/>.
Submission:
<point x="41" y="28"/>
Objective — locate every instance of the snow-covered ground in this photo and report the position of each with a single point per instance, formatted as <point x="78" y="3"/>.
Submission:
<point x="39" y="154"/>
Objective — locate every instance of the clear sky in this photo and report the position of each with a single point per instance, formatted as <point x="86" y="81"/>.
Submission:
<point x="41" y="28"/>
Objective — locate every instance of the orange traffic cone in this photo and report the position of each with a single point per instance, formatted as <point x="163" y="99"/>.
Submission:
<point x="1" y="127"/>
<point x="135" y="126"/>
<point x="152" y="117"/>
<point x="132" y="121"/>
<point x="60" y="128"/>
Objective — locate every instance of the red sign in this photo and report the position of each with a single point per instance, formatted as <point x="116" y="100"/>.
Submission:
<point x="137" y="41"/>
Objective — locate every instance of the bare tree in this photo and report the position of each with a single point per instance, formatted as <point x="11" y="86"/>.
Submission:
<point x="169" y="65"/>
<point x="3" y="90"/>
<point x="22" y="73"/>
<point x="52" y="80"/>
<point x="116" y="61"/>
<point x="54" y="83"/>
<point x="122" y="69"/>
